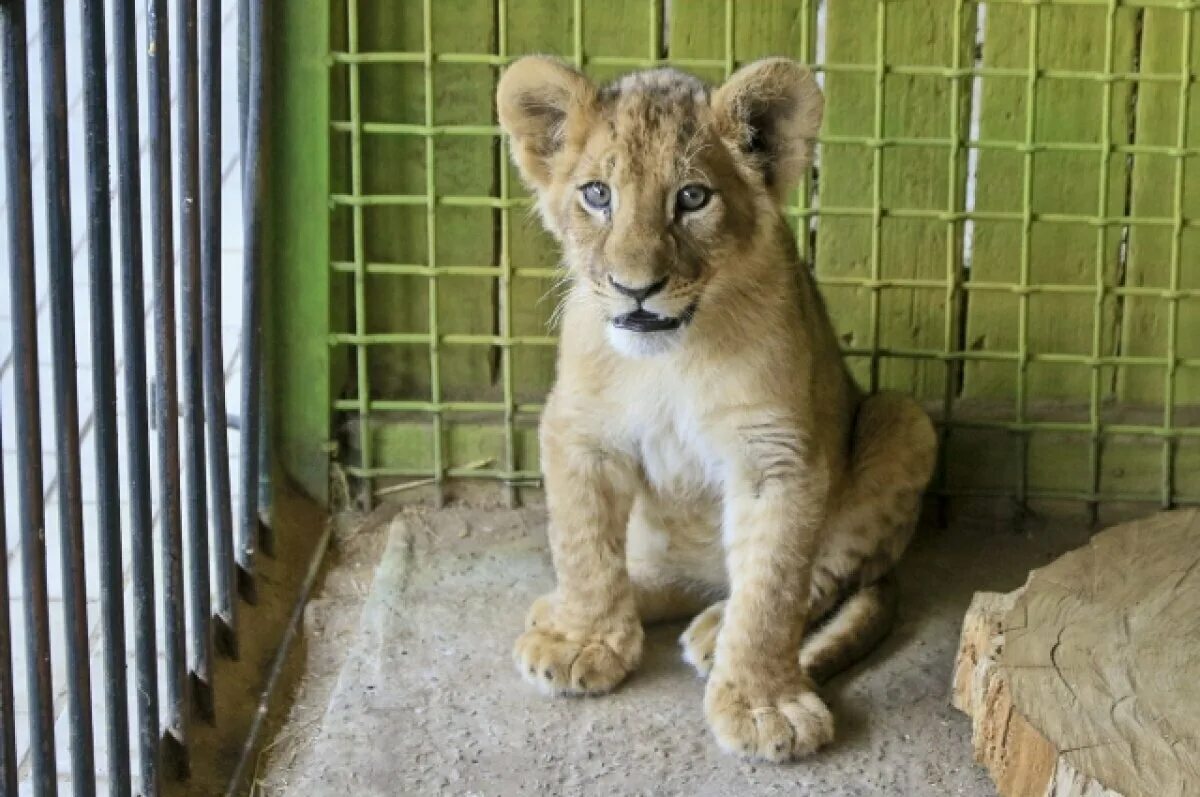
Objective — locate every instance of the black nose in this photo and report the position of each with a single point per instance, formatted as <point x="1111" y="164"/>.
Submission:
<point x="638" y="294"/>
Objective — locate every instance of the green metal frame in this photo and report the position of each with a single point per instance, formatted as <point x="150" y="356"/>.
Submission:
<point x="427" y="419"/>
<point x="301" y="302"/>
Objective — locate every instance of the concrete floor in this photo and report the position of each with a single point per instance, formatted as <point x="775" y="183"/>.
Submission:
<point x="410" y="688"/>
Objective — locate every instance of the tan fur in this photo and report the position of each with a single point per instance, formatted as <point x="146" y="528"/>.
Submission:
<point x="732" y="462"/>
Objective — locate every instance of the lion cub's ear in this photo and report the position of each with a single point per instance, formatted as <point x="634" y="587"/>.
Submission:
<point x="542" y="104"/>
<point x="770" y="111"/>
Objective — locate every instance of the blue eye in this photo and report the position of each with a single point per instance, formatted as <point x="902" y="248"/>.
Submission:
<point x="596" y="195"/>
<point x="692" y="197"/>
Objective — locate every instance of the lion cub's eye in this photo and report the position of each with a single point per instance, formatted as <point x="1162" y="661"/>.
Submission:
<point x="692" y="197"/>
<point x="596" y="195"/>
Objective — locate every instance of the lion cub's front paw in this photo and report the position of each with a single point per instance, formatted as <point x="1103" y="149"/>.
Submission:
<point x="563" y="660"/>
<point x="776" y="723"/>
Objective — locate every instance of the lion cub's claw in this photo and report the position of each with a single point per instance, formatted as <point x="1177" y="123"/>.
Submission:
<point x="561" y="662"/>
<point x="792" y="724"/>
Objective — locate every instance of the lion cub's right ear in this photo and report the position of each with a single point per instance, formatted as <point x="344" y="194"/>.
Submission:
<point x="543" y="105"/>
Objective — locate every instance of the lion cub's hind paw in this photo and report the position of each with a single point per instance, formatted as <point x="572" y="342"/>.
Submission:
<point x="699" y="641"/>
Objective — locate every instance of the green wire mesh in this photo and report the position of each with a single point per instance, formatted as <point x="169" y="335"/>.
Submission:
<point x="1098" y="442"/>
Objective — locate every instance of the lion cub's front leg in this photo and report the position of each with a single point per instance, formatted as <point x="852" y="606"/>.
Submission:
<point x="584" y="637"/>
<point x="757" y="700"/>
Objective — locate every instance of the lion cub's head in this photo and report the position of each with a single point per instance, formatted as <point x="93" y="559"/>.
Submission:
<point x="663" y="191"/>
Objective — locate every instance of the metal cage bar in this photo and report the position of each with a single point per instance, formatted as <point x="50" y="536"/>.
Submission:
<point x="362" y="365"/>
<point x="9" y="763"/>
<point x="506" y="282"/>
<point x="806" y="194"/>
<point x="1096" y="441"/>
<point x="31" y="511"/>
<point x="450" y="200"/>
<point x="66" y="391"/>
<point x="137" y="434"/>
<point x="195" y="494"/>
<point x="1021" y="488"/>
<point x="1168" y="497"/>
<point x="876" y="264"/>
<point x="104" y="392"/>
<point x="253" y="187"/>
<point x="431" y="243"/>
<point x="213" y="349"/>
<point x="166" y="400"/>
<point x="955" y="233"/>
<point x="915" y="70"/>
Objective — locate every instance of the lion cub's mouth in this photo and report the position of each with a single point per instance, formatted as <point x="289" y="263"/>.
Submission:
<point x="642" y="320"/>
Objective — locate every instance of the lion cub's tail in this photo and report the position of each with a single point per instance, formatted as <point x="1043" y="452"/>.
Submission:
<point x="850" y="631"/>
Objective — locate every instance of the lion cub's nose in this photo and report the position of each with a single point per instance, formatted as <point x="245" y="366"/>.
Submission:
<point x="638" y="294"/>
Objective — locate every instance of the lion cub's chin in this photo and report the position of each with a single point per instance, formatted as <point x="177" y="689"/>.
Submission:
<point x="640" y="345"/>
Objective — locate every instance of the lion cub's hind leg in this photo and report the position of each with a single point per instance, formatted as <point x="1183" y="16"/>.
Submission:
<point x="892" y="461"/>
<point x="852" y="600"/>
<point x="850" y="631"/>
<point x="699" y="641"/>
<point x="835" y="641"/>
<point x="853" y="596"/>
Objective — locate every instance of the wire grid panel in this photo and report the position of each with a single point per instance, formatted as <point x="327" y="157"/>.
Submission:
<point x="1000" y="217"/>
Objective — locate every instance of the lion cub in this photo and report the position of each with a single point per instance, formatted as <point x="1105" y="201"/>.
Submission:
<point x="706" y="452"/>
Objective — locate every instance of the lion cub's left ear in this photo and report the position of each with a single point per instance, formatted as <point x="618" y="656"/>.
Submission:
<point x="770" y="110"/>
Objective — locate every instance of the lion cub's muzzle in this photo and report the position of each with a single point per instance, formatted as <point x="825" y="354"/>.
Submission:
<point x="648" y="316"/>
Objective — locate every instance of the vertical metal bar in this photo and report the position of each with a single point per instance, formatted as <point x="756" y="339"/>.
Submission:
<point x="362" y="362"/>
<point x="243" y="87"/>
<point x="431" y="248"/>
<point x="577" y="34"/>
<point x="254" y="183"/>
<point x="104" y="393"/>
<point x="192" y="395"/>
<point x="266" y="537"/>
<point x="213" y="352"/>
<point x="266" y="530"/>
<point x="806" y="223"/>
<point x="8" y="732"/>
<point x="1170" y="441"/>
<point x="137" y="437"/>
<point x="730" y="33"/>
<point x="243" y="75"/>
<point x="1031" y="78"/>
<point x="955" y="197"/>
<point x="880" y="76"/>
<point x="656" y="30"/>
<point x="1095" y="448"/>
<point x="506" y="278"/>
<point x="31" y="511"/>
<point x="66" y="404"/>
<point x="166" y="401"/>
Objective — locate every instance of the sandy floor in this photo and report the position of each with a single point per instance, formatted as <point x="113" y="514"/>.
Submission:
<point x="410" y="689"/>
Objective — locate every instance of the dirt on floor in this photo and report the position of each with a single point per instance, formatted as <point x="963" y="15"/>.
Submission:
<point x="409" y="686"/>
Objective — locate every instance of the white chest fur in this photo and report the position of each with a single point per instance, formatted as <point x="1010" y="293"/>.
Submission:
<point x="664" y="433"/>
